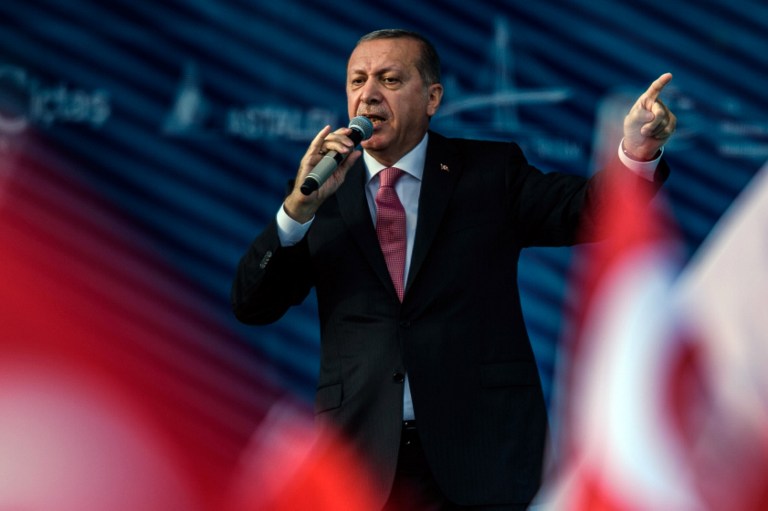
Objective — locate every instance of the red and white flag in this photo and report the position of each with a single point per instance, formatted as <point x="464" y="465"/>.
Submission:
<point x="663" y="401"/>
<point x="723" y="302"/>
<point x="617" y="446"/>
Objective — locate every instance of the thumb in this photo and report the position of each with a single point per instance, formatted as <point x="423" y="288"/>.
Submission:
<point x="645" y="115"/>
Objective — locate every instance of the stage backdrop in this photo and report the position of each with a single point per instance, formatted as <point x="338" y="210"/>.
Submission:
<point x="147" y="143"/>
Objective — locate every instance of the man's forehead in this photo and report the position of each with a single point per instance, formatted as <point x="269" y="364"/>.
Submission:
<point x="381" y="55"/>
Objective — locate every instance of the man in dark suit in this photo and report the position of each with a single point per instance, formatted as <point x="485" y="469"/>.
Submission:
<point x="433" y="378"/>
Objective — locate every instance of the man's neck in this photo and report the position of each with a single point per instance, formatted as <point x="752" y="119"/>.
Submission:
<point x="388" y="161"/>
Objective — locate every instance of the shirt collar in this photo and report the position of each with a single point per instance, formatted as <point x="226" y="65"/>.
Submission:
<point x="412" y="163"/>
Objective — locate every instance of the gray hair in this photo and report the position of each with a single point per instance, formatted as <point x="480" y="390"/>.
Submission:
<point x="428" y="63"/>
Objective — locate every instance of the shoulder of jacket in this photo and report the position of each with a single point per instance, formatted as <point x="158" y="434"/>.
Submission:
<point x="463" y="143"/>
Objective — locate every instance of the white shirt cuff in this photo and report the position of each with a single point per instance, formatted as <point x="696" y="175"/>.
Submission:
<point x="645" y="169"/>
<point x="289" y="230"/>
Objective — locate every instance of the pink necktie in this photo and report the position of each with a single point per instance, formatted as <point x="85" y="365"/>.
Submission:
<point x="390" y="226"/>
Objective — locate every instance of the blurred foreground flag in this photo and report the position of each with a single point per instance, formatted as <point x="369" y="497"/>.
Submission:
<point x="663" y="397"/>
<point x="723" y="299"/>
<point x="618" y="445"/>
<point x="294" y="463"/>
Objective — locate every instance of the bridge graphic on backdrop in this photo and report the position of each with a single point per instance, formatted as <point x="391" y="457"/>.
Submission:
<point x="504" y="99"/>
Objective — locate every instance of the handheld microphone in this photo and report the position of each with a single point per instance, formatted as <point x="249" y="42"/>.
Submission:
<point x="362" y="129"/>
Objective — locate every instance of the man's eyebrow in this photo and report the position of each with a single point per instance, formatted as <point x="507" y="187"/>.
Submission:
<point x="387" y="69"/>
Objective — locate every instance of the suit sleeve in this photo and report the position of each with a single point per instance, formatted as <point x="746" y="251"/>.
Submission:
<point x="270" y="278"/>
<point x="557" y="209"/>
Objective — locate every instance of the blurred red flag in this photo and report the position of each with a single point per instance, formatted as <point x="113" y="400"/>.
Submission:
<point x="663" y="397"/>
<point x="73" y="435"/>
<point x="294" y="464"/>
<point x="723" y="299"/>
<point x="616" y="444"/>
<point x="115" y="394"/>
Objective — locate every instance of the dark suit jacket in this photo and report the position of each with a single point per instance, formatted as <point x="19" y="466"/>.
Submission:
<point x="459" y="332"/>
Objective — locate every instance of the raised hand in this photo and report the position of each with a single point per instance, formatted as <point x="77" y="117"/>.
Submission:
<point x="302" y="207"/>
<point x="649" y="123"/>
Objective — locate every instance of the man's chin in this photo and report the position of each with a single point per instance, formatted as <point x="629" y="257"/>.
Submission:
<point x="375" y="143"/>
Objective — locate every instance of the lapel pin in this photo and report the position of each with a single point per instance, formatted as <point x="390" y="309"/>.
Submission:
<point x="444" y="167"/>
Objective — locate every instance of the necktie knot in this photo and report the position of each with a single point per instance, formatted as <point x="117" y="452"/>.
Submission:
<point x="389" y="176"/>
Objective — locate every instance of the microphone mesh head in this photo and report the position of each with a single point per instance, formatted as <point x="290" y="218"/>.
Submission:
<point x="363" y="125"/>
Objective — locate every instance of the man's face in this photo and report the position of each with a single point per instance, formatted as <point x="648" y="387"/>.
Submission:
<point x="384" y="84"/>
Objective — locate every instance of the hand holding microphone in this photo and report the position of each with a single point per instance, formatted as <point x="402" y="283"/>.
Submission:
<point x="362" y="129"/>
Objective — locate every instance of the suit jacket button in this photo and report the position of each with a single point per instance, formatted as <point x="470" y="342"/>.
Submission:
<point x="398" y="377"/>
<point x="265" y="260"/>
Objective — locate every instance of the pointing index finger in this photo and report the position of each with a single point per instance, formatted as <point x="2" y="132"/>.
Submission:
<point x="650" y="96"/>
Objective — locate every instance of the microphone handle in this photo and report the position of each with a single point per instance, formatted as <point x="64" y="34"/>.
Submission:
<point x="328" y="164"/>
<point x="321" y="172"/>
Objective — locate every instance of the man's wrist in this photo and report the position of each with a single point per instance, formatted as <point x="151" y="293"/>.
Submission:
<point x="634" y="157"/>
<point x="645" y="169"/>
<point x="298" y="211"/>
<point x="289" y="230"/>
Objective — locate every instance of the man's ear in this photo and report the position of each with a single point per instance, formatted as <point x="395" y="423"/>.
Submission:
<point x="434" y="97"/>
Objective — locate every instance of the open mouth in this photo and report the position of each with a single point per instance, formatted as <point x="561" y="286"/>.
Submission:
<point x="375" y="119"/>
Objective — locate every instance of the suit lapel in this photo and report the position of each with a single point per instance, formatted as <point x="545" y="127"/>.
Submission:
<point x="441" y="173"/>
<point x="353" y="207"/>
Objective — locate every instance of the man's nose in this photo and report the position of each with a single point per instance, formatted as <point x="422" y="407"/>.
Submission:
<point x="370" y="92"/>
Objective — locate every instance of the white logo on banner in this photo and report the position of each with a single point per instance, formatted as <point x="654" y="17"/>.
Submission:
<point x="25" y="101"/>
